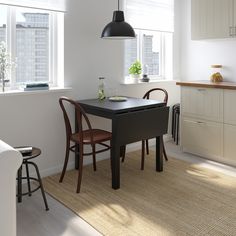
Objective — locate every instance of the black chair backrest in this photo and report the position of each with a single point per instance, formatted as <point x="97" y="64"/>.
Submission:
<point x="148" y="93"/>
<point x="80" y="114"/>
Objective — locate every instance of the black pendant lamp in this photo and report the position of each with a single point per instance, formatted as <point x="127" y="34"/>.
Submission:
<point x="118" y="28"/>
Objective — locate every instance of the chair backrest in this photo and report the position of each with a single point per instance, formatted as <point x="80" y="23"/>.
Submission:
<point x="148" y="93"/>
<point x="80" y="114"/>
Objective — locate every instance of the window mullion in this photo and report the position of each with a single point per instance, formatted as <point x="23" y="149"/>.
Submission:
<point x="140" y="46"/>
<point x="11" y="41"/>
<point x="162" y="55"/>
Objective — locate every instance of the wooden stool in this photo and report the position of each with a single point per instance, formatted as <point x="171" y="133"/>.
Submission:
<point x="26" y="162"/>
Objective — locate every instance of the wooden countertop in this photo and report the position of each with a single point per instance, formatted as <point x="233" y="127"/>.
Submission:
<point x="208" y="84"/>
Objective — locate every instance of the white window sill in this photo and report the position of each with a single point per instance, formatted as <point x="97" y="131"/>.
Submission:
<point x="151" y="81"/>
<point x="21" y="92"/>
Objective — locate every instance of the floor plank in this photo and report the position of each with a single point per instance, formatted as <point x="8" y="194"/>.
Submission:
<point x="33" y="220"/>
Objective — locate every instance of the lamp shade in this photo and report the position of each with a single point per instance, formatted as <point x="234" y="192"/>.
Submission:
<point x="118" y="28"/>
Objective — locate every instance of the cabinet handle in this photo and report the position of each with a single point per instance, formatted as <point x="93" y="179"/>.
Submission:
<point x="200" y="122"/>
<point x="201" y="90"/>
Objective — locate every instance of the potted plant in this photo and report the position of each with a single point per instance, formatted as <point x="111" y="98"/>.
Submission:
<point x="136" y="69"/>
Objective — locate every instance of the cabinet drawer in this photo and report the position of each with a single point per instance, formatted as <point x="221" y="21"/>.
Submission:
<point x="202" y="103"/>
<point x="202" y="138"/>
<point x="230" y="143"/>
<point x="229" y="107"/>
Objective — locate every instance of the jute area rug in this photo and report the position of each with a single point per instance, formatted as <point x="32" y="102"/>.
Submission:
<point x="185" y="199"/>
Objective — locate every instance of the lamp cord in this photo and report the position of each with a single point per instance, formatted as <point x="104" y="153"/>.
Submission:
<point x="118" y="5"/>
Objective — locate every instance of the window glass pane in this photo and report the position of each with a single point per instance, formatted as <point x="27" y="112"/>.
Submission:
<point x="32" y="45"/>
<point x="131" y="54"/>
<point x="151" y="52"/>
<point x="3" y="22"/>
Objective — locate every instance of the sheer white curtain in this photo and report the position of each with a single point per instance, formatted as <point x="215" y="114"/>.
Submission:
<point x="155" y="15"/>
<point x="53" y="5"/>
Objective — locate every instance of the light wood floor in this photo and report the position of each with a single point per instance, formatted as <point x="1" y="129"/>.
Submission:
<point x="33" y="220"/>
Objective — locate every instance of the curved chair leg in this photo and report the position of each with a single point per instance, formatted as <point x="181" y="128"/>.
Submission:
<point x="66" y="160"/>
<point x="122" y="152"/>
<point x="28" y="179"/>
<point x="80" y="168"/>
<point x="164" y="152"/>
<point x="147" y="147"/>
<point x="94" y="158"/>
<point x="143" y="154"/>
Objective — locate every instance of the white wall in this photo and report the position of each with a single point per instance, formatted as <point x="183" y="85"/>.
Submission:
<point x="198" y="56"/>
<point x="36" y="119"/>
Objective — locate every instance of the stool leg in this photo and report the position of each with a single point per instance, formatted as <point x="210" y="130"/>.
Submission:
<point x="172" y="123"/>
<point x="177" y="135"/>
<point x="40" y="184"/>
<point x="28" y="179"/>
<point x="19" y="184"/>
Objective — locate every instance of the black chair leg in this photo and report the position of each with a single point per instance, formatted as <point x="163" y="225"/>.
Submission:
<point x="40" y="184"/>
<point x="123" y="152"/>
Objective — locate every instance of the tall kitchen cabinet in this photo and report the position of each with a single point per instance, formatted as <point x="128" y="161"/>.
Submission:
<point x="213" y="19"/>
<point x="208" y="120"/>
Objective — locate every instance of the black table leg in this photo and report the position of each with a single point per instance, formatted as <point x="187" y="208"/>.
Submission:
<point x="115" y="157"/>
<point x="159" y="153"/>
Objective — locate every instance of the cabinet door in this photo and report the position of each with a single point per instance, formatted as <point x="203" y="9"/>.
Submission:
<point x="229" y="107"/>
<point x="202" y="103"/>
<point x="212" y="19"/>
<point x="230" y="143"/>
<point x="202" y="138"/>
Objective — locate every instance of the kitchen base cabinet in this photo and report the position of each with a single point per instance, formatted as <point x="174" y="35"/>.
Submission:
<point x="202" y="138"/>
<point x="208" y="120"/>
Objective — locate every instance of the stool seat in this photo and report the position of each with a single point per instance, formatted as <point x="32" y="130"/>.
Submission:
<point x="27" y="161"/>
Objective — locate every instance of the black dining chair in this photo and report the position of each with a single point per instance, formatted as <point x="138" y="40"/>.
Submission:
<point x="147" y="95"/>
<point x="81" y="137"/>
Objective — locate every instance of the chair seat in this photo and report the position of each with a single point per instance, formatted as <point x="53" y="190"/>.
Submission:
<point x="97" y="134"/>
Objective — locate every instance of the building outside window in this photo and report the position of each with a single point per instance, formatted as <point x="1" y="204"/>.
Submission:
<point x="153" y="21"/>
<point x="32" y="38"/>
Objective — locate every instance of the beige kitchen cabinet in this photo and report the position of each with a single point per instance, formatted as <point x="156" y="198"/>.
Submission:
<point x="203" y="138"/>
<point x="208" y="120"/>
<point x="213" y="19"/>
<point x="202" y="103"/>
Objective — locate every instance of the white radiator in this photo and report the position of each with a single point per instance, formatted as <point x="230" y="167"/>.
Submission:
<point x="10" y="161"/>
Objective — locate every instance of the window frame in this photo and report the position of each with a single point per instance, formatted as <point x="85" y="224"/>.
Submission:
<point x="56" y="46"/>
<point x="162" y="56"/>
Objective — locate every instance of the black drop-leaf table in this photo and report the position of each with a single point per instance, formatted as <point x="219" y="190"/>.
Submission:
<point x="133" y="120"/>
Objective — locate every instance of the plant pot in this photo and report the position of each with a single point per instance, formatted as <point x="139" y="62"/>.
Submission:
<point x="135" y="78"/>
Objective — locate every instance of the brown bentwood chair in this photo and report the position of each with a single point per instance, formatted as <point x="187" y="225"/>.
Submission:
<point x="81" y="137"/>
<point x="165" y="100"/>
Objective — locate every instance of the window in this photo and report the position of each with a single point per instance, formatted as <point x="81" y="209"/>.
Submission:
<point x="153" y="24"/>
<point x="34" y="40"/>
